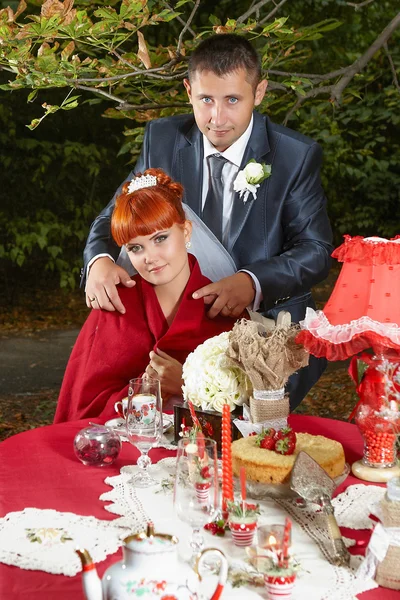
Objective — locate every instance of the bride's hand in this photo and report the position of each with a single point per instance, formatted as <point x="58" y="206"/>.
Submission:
<point x="168" y="370"/>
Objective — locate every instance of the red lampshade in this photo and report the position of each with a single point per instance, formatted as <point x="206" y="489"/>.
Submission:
<point x="364" y="308"/>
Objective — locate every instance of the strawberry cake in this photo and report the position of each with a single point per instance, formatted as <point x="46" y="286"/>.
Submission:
<point x="270" y="466"/>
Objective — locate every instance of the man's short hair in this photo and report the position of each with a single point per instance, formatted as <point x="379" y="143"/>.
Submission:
<point x="223" y="54"/>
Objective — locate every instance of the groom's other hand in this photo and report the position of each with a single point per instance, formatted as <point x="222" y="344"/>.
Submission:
<point x="101" y="291"/>
<point x="229" y="296"/>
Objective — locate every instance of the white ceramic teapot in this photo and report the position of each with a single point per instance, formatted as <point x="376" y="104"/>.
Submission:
<point x="149" y="570"/>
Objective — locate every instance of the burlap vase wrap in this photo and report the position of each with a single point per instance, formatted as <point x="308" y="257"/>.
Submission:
<point x="268" y="357"/>
<point x="388" y="571"/>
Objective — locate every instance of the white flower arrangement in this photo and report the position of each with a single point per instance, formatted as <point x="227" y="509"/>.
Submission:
<point x="249" y="179"/>
<point x="208" y="380"/>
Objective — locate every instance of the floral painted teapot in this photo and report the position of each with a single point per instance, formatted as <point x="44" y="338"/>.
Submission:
<point x="149" y="570"/>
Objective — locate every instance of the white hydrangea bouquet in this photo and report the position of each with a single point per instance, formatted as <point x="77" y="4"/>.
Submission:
<point x="209" y="379"/>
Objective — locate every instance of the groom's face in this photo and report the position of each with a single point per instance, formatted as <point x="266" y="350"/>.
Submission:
<point x="223" y="106"/>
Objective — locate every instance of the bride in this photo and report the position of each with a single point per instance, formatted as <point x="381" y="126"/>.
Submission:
<point x="162" y="323"/>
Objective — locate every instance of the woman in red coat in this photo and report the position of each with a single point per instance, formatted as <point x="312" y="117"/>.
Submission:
<point x="162" y="323"/>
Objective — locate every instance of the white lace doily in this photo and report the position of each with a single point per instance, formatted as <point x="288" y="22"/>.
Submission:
<point x="352" y="508"/>
<point x="124" y="501"/>
<point x="318" y="579"/>
<point x="46" y="540"/>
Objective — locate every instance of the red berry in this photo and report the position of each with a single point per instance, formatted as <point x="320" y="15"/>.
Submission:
<point x="267" y="443"/>
<point x="285" y="432"/>
<point x="285" y="446"/>
<point x="205" y="473"/>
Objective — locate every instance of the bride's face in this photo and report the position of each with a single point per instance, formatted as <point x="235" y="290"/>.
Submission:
<point x="161" y="257"/>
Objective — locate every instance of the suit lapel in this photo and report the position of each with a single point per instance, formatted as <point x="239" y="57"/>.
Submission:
<point x="258" y="148"/>
<point x="190" y="168"/>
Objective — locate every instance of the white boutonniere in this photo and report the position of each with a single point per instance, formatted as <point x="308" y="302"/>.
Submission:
<point x="250" y="178"/>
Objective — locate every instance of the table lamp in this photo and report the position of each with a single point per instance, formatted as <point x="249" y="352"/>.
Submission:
<point x="363" y="312"/>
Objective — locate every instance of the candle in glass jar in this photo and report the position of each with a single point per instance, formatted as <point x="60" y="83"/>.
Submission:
<point x="270" y="539"/>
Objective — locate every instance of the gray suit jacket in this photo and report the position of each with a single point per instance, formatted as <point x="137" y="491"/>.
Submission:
<point x="283" y="236"/>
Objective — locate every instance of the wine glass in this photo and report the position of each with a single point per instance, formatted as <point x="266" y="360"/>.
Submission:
<point x="144" y="424"/>
<point x="196" y="494"/>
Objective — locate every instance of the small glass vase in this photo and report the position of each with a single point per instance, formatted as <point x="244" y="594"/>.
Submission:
<point x="97" y="446"/>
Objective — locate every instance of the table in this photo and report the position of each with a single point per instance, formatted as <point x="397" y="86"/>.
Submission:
<point x="38" y="469"/>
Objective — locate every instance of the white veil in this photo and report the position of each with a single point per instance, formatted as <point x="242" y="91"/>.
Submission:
<point x="215" y="262"/>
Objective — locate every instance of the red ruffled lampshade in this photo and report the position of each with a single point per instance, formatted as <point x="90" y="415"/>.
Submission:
<point x="364" y="308"/>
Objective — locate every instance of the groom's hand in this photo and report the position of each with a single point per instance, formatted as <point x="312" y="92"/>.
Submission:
<point x="101" y="291"/>
<point x="228" y="296"/>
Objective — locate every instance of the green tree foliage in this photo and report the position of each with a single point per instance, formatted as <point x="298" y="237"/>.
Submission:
<point x="334" y="79"/>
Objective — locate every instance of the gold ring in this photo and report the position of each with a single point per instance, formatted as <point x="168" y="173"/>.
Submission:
<point x="92" y="299"/>
<point x="229" y="308"/>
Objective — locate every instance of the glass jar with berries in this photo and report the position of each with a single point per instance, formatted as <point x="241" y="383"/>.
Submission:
<point x="377" y="416"/>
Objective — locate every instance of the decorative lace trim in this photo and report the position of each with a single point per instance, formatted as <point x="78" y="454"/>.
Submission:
<point x="369" y="251"/>
<point x="125" y="502"/>
<point x="269" y="394"/>
<point x="338" y="342"/>
<point x="347" y="506"/>
<point x="46" y="540"/>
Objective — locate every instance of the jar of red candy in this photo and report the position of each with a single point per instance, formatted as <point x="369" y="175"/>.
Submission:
<point x="378" y="416"/>
<point x="97" y="445"/>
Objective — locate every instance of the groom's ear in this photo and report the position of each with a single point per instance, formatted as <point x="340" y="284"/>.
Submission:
<point x="188" y="89"/>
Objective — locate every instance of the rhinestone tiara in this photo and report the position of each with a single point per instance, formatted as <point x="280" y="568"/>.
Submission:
<point x="144" y="181"/>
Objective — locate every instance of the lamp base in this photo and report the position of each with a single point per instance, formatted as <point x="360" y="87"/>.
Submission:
<point x="375" y="474"/>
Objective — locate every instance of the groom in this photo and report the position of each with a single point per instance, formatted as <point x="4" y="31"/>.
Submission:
<point x="280" y="239"/>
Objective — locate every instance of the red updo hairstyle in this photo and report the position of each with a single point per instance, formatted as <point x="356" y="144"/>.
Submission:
<point x="147" y="210"/>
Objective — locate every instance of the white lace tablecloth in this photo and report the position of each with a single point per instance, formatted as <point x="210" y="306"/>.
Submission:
<point x="318" y="578"/>
<point x="47" y="539"/>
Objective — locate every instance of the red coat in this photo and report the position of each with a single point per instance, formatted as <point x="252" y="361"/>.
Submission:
<point x="113" y="348"/>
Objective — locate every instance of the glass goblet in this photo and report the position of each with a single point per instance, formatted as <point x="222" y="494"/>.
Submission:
<point x="196" y="494"/>
<point x="144" y="424"/>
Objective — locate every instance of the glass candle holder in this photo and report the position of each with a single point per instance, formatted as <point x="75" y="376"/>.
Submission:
<point x="97" y="446"/>
<point x="270" y="537"/>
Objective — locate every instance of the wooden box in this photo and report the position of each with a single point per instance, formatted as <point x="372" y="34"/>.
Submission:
<point x="210" y="421"/>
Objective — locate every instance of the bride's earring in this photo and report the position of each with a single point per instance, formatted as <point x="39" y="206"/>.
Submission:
<point x="188" y="245"/>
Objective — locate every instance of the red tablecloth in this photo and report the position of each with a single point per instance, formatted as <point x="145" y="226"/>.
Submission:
<point x="38" y="469"/>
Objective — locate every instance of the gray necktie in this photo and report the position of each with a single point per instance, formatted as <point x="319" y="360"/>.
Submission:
<point x="212" y="211"/>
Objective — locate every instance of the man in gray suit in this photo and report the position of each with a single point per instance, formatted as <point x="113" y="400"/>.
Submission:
<point x="280" y="238"/>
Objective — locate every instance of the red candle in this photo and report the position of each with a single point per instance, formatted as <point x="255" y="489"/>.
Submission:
<point x="286" y="541"/>
<point x="243" y="488"/>
<point x="227" y="482"/>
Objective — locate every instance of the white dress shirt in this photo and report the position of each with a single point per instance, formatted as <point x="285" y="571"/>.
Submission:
<point x="233" y="154"/>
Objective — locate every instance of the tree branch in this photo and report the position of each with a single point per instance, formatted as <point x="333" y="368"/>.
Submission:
<point x="314" y="76"/>
<point x="181" y="21"/>
<point x="361" y="62"/>
<point x="190" y="19"/>
<point x="326" y="89"/>
<point x="360" y="5"/>
<point x="271" y="14"/>
<point x="147" y="72"/>
<point x="251" y="10"/>
<point x="392" y="67"/>
<point x="123" y="105"/>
